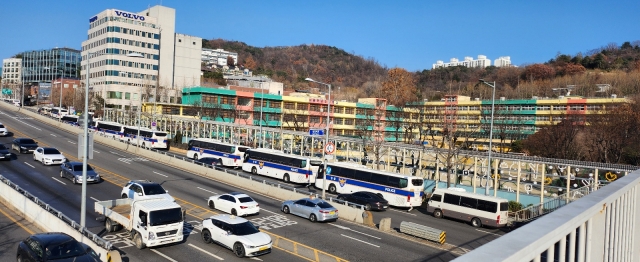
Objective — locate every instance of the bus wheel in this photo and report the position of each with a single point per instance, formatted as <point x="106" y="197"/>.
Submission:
<point x="286" y="178"/>
<point x="437" y="213"/>
<point x="332" y="188"/>
<point x="475" y="222"/>
<point x="254" y="170"/>
<point x="195" y="157"/>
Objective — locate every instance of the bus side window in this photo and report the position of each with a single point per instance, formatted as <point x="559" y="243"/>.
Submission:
<point x="436" y="198"/>
<point x="320" y="173"/>
<point x="246" y="158"/>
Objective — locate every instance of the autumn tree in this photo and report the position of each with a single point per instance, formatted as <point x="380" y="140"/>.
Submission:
<point x="230" y="61"/>
<point x="572" y="69"/>
<point x="538" y="72"/>
<point x="399" y="88"/>
<point x="558" y="140"/>
<point x="250" y="63"/>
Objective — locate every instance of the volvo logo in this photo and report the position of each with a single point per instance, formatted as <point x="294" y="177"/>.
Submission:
<point x="130" y="15"/>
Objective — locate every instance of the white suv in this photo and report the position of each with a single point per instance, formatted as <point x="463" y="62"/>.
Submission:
<point x="237" y="234"/>
<point x="137" y="189"/>
<point x="3" y="130"/>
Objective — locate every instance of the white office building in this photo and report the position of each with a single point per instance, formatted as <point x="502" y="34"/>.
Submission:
<point x="481" y="62"/>
<point x="218" y="57"/>
<point x="170" y="61"/>
<point x="11" y="70"/>
<point x="503" y="61"/>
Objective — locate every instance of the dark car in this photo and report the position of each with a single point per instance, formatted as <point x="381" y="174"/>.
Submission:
<point x="54" y="247"/>
<point x="370" y="201"/>
<point x="4" y="152"/>
<point x="24" y="145"/>
<point x="210" y="161"/>
<point x="73" y="171"/>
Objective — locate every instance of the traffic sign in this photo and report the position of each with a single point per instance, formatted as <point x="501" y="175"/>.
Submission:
<point x="153" y="126"/>
<point x="316" y="132"/>
<point x="329" y="148"/>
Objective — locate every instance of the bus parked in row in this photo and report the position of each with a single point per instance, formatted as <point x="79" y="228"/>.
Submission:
<point x="477" y="209"/>
<point x="109" y="129"/>
<point x="148" y="138"/>
<point x="276" y="164"/>
<point x="229" y="155"/>
<point x="400" y="190"/>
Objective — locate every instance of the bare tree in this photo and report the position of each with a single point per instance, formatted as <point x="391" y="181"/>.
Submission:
<point x="399" y="89"/>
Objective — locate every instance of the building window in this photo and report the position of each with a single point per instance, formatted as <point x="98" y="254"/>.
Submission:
<point x="314" y="119"/>
<point x="289" y="105"/>
<point x="179" y="40"/>
<point x="127" y="96"/>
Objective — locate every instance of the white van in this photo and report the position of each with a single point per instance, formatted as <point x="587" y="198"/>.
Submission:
<point x="15" y="102"/>
<point x="475" y="208"/>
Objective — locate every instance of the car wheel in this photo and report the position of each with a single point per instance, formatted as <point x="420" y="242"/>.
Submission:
<point x="212" y="205"/>
<point x="254" y="170"/>
<point x="313" y="218"/>
<point x="61" y="174"/>
<point x="286" y="178"/>
<point x="108" y="225"/>
<point x="234" y="212"/>
<point x="475" y="222"/>
<point x="34" y="158"/>
<point x="437" y="213"/>
<point x="138" y="241"/>
<point x="206" y="236"/>
<point x="332" y="189"/>
<point x="238" y="249"/>
<point x="285" y="209"/>
<point x="74" y="180"/>
<point x="124" y="195"/>
<point x="367" y="207"/>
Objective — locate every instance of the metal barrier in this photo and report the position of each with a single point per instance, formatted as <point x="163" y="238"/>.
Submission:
<point x="532" y="212"/>
<point x="90" y="235"/>
<point x="425" y="232"/>
<point x="602" y="226"/>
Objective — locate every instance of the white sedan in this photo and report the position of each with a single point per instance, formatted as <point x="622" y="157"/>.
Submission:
<point x="237" y="234"/>
<point x="237" y="204"/>
<point x="48" y="156"/>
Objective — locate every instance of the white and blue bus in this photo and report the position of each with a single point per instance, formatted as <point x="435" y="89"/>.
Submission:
<point x="276" y="164"/>
<point x="226" y="154"/>
<point x="109" y="129"/>
<point x="400" y="190"/>
<point x="70" y="119"/>
<point x="148" y="138"/>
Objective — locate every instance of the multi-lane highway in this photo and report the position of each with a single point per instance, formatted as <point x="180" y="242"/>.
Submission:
<point x="298" y="239"/>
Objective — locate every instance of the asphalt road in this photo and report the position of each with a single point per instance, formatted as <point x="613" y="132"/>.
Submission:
<point x="13" y="229"/>
<point x="343" y="240"/>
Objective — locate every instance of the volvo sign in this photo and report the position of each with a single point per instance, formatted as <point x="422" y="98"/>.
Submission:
<point x="130" y="15"/>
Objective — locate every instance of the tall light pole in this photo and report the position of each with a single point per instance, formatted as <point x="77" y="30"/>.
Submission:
<point x="493" y="100"/>
<point x="61" y="83"/>
<point x="140" y="111"/>
<point x="326" y="138"/>
<point x="85" y="136"/>
<point x="261" y="105"/>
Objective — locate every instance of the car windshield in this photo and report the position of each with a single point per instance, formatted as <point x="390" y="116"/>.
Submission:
<point x="79" y="168"/>
<point x="1" y="126"/>
<point x="27" y="141"/>
<point x="51" y="151"/>
<point x="154" y="190"/>
<point x="417" y="182"/>
<point x="324" y="205"/>
<point x="67" y="249"/>
<point x="164" y="217"/>
<point x="243" y="229"/>
<point x="245" y="199"/>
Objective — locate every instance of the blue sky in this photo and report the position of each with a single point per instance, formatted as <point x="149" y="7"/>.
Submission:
<point x="408" y="34"/>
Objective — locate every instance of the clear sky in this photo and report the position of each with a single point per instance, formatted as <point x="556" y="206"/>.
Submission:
<point x="408" y="34"/>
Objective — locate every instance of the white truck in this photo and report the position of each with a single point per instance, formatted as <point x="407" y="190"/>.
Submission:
<point x="149" y="221"/>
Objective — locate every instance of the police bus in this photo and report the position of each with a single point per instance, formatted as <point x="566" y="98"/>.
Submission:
<point x="276" y="164"/>
<point x="109" y="129"/>
<point x="226" y="154"/>
<point x="148" y="138"/>
<point x="70" y="119"/>
<point x="400" y="190"/>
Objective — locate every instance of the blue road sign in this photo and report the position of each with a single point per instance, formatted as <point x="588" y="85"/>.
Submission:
<point x="316" y="132"/>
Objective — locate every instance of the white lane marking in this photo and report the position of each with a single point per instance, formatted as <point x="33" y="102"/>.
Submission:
<point x="346" y="228"/>
<point x="115" y="153"/>
<point x="207" y="190"/>
<point x="255" y="258"/>
<point x="163" y="255"/>
<point x="159" y="174"/>
<point x="270" y="211"/>
<point x="71" y="142"/>
<point x="360" y="240"/>
<point x="488" y="232"/>
<point x="404" y="212"/>
<point x="206" y="252"/>
<point x="29" y="165"/>
<point x="53" y="135"/>
<point x="96" y="151"/>
<point x="16" y="118"/>
<point x="59" y="181"/>
<point x="94" y="199"/>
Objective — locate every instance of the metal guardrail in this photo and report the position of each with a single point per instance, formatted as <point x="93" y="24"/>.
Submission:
<point x="532" y="212"/>
<point x="84" y="231"/>
<point x="425" y="232"/>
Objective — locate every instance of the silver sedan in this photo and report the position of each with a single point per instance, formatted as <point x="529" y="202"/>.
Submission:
<point x="311" y="208"/>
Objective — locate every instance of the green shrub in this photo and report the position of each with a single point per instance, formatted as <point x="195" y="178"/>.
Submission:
<point x="514" y="206"/>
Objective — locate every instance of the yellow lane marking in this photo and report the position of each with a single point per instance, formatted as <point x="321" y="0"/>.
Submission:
<point x="17" y="222"/>
<point x="202" y="210"/>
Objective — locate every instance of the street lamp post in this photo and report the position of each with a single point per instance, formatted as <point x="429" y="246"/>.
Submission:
<point x="326" y="138"/>
<point x="140" y="111"/>
<point x="85" y="136"/>
<point x="493" y="99"/>
<point x="261" y="105"/>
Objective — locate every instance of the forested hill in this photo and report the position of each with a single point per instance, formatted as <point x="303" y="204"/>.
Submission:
<point x="618" y="66"/>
